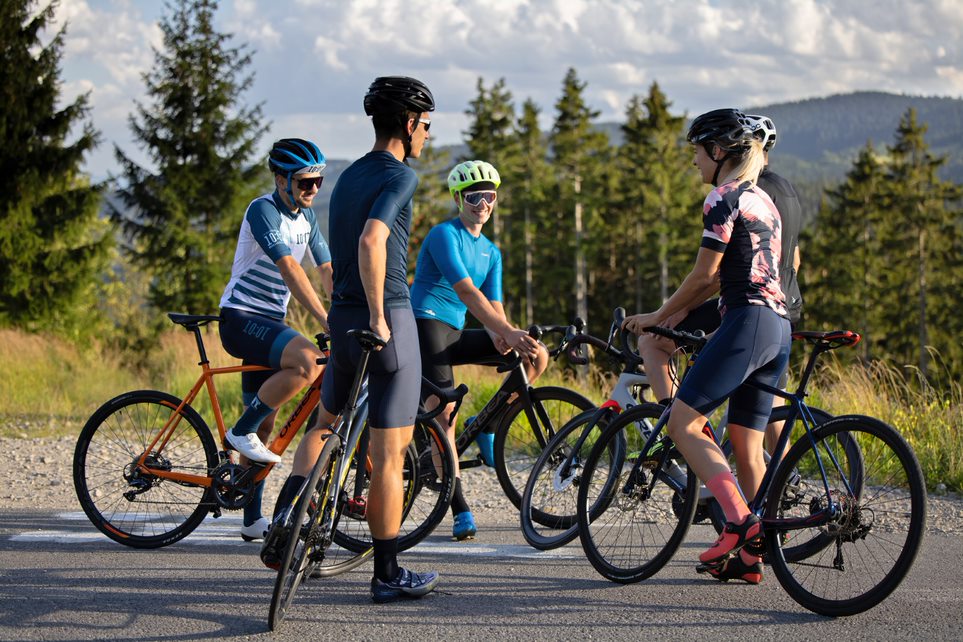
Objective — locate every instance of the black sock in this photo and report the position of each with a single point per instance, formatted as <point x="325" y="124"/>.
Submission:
<point x="458" y="503"/>
<point x="385" y="558"/>
<point x="291" y="486"/>
<point x="665" y="402"/>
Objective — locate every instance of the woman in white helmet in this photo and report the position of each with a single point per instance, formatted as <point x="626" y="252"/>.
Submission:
<point x="459" y="270"/>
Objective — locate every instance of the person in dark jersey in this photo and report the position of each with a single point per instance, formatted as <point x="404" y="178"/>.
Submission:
<point x="279" y="229"/>
<point x="369" y="224"/>
<point x="783" y="194"/>
<point x="460" y="270"/>
<point x="740" y="251"/>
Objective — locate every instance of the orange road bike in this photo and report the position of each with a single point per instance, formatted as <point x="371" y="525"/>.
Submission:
<point x="147" y="470"/>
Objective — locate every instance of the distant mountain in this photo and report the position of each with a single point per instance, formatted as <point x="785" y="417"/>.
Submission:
<point x="820" y="137"/>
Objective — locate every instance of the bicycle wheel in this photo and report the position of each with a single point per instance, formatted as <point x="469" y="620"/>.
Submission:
<point x="549" y="510"/>
<point x="125" y="503"/>
<point x="868" y="546"/>
<point x="309" y="528"/>
<point x="525" y="431"/>
<point x="632" y="518"/>
<point x="429" y="481"/>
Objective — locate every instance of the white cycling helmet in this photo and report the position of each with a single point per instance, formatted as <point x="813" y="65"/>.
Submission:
<point x="765" y="130"/>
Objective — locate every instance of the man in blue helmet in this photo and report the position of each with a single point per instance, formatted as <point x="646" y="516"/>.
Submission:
<point x="369" y="223"/>
<point x="277" y="231"/>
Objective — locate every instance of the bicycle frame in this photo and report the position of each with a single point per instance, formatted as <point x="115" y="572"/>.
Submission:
<point x="799" y="410"/>
<point x="488" y="416"/>
<point x="206" y="381"/>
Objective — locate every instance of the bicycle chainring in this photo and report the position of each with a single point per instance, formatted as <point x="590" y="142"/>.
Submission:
<point x="232" y="488"/>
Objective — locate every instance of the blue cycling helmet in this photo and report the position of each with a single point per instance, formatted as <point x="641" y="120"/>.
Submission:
<point x="292" y="156"/>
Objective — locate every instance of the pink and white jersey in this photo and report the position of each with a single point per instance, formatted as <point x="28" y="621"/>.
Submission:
<point x="741" y="222"/>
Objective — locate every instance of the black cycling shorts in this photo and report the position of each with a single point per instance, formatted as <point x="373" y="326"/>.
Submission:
<point x="394" y="372"/>
<point x="443" y="346"/>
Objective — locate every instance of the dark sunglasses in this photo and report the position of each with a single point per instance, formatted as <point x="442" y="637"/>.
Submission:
<point x="476" y="198"/>
<point x="304" y="184"/>
<point x="425" y="122"/>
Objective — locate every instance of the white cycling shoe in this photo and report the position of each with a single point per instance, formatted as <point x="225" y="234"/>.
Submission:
<point x="251" y="447"/>
<point x="257" y="530"/>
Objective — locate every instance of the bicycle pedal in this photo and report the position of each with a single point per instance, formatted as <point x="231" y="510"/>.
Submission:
<point x="356" y="508"/>
<point x="705" y="568"/>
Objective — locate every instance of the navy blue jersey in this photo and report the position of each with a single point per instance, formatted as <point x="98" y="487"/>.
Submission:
<point x="376" y="186"/>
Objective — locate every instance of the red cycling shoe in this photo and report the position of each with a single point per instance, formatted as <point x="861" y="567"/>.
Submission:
<point x="733" y="538"/>
<point x="734" y="569"/>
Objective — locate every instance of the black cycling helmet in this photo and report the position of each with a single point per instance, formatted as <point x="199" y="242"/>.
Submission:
<point x="392" y="94"/>
<point x="729" y="128"/>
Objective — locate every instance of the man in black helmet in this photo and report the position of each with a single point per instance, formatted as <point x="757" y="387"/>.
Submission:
<point x="369" y="223"/>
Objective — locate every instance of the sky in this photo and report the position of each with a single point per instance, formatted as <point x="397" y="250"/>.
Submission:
<point x="313" y="59"/>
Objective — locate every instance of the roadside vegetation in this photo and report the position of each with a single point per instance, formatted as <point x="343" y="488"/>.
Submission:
<point x="50" y="388"/>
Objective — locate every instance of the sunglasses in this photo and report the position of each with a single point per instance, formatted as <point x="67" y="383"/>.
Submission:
<point x="304" y="184"/>
<point x="426" y="122"/>
<point x="476" y="198"/>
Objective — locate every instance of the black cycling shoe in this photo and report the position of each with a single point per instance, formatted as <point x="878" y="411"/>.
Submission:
<point x="274" y="544"/>
<point x="407" y="585"/>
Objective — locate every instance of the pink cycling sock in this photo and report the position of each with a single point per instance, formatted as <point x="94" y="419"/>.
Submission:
<point x="726" y="491"/>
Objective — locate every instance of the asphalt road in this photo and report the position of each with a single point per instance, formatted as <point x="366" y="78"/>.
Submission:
<point x="63" y="581"/>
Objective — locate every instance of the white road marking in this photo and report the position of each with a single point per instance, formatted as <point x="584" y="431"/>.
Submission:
<point x="223" y="531"/>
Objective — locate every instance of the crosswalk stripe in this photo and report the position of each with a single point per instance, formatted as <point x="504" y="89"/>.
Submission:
<point x="223" y="531"/>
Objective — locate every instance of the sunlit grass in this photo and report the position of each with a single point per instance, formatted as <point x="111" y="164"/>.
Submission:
<point x="928" y="419"/>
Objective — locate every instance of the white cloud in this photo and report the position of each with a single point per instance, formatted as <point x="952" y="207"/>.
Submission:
<point x="313" y="59"/>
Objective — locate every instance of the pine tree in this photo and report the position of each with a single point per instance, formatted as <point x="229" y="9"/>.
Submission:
<point x="182" y="216"/>
<point x="659" y="196"/>
<point x="922" y="279"/>
<point x="846" y="294"/>
<point x="491" y="137"/>
<point x="580" y="153"/>
<point x="52" y="244"/>
<point x="539" y="229"/>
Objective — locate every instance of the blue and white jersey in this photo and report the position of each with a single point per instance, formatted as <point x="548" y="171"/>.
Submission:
<point x="448" y="255"/>
<point x="269" y="232"/>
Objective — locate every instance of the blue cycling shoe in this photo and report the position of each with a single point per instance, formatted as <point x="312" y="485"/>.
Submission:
<point x="486" y="447"/>
<point x="464" y="527"/>
<point x="406" y="585"/>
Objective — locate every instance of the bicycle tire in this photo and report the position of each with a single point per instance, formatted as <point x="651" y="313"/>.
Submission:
<point x="136" y="509"/>
<point x="306" y="532"/>
<point x="549" y="510"/>
<point x="429" y="482"/>
<point x="517" y="444"/>
<point x="878" y="531"/>
<point x="627" y="532"/>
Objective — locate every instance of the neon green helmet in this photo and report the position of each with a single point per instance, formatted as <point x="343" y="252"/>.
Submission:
<point x="472" y="172"/>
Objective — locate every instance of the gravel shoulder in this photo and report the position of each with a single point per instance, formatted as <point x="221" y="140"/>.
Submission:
<point x="39" y="474"/>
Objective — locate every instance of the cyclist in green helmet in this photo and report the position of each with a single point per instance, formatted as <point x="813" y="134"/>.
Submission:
<point x="459" y="270"/>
